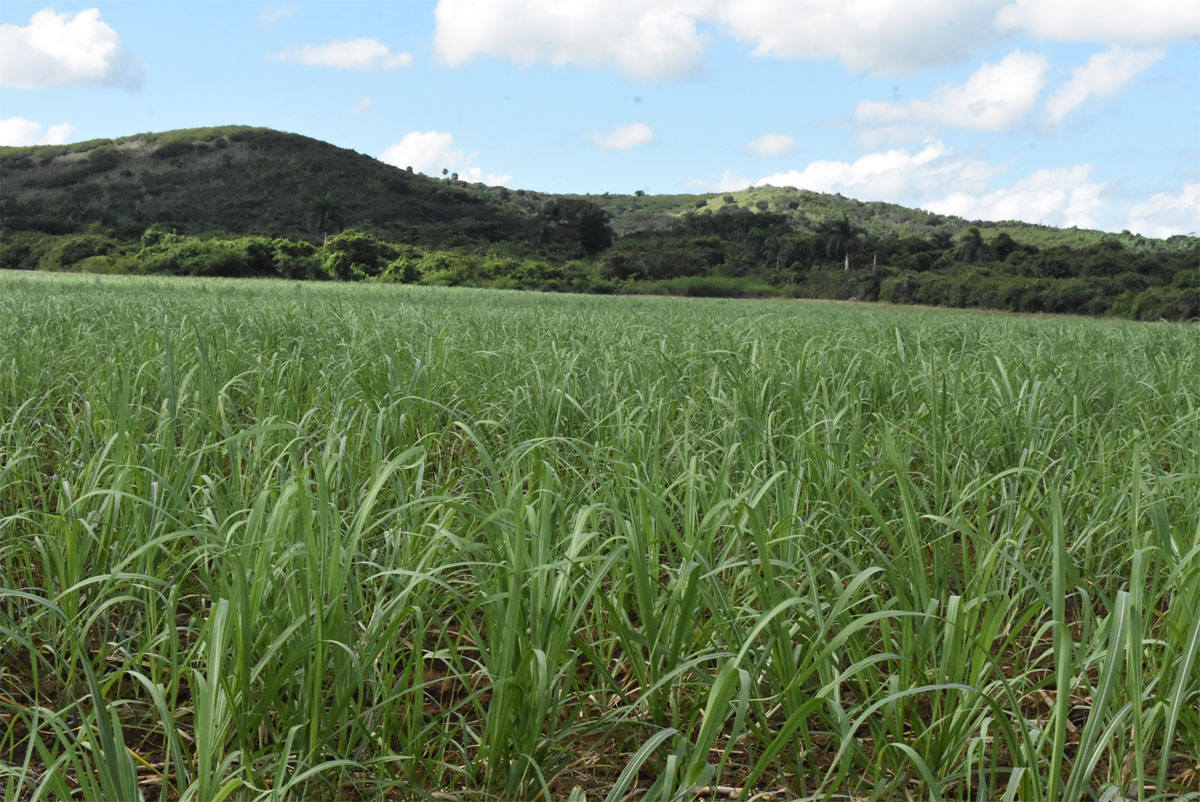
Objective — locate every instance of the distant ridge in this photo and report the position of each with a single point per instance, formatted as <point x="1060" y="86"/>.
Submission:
<point x="239" y="201"/>
<point x="239" y="179"/>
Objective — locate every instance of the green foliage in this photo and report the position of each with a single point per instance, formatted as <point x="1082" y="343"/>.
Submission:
<point x="23" y="250"/>
<point x="266" y="541"/>
<point x="240" y="180"/>
<point x="1167" y="303"/>
<point x="245" y="201"/>
<point x="579" y="225"/>
<point x="698" y="255"/>
<point x="445" y="269"/>
<point x="842" y="238"/>
<point x="366" y="254"/>
<point x="325" y="214"/>
<point x="192" y="256"/>
<point x="971" y="247"/>
<point x="296" y="259"/>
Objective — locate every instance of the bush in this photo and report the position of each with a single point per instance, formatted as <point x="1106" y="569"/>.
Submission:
<point x="445" y="269"/>
<point x="192" y="256"/>
<point x="402" y="269"/>
<point x="296" y="259"/>
<point x="1167" y="303"/>
<point x="366" y="253"/>
<point x="170" y="150"/>
<point x="69" y="250"/>
<point x="902" y="289"/>
<point x="23" y="250"/>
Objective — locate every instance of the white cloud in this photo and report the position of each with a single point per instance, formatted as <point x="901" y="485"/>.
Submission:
<point x="477" y="176"/>
<point x="1143" y="22"/>
<point x="1061" y="196"/>
<point x="20" y="132"/>
<point x="430" y="152"/>
<point x="996" y="97"/>
<point x="366" y="55"/>
<point x="1165" y="215"/>
<point x="1104" y="74"/>
<point x="427" y="152"/>
<point x="937" y="179"/>
<point x="664" y="40"/>
<point x="730" y="181"/>
<point x="897" y="175"/>
<point x="771" y="145"/>
<point x="649" y="41"/>
<point x="359" y="106"/>
<point x="65" y="50"/>
<point x="624" y="137"/>
<point x="878" y="36"/>
<point x="270" y="16"/>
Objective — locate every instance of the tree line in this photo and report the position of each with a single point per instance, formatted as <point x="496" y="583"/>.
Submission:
<point x="569" y="246"/>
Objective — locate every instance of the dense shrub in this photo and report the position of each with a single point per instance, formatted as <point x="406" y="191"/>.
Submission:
<point x="22" y="250"/>
<point x="364" y="252"/>
<point x="296" y="259"/>
<point x="1167" y="303"/>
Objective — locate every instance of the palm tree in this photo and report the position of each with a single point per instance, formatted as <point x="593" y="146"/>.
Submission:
<point x="325" y="214"/>
<point x="971" y="246"/>
<point x="941" y="240"/>
<point x="841" y="237"/>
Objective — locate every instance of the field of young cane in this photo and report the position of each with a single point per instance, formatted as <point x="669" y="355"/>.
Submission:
<point x="292" y="541"/>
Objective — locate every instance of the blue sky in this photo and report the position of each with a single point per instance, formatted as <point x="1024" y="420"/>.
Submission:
<point x="1066" y="112"/>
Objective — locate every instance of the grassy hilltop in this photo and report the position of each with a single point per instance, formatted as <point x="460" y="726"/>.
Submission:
<point x="251" y="201"/>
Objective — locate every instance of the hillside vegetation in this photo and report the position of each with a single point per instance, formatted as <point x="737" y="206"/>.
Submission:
<point x="237" y="201"/>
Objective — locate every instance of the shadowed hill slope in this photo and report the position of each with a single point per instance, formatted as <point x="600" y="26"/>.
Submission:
<point x="238" y="180"/>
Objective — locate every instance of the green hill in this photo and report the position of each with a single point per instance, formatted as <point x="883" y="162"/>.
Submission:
<point x="807" y="210"/>
<point x="237" y="180"/>
<point x="253" y="201"/>
<point x="244" y="180"/>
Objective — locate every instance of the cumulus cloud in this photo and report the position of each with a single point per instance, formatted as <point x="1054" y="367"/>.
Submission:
<point x="771" y="145"/>
<point x="1166" y="214"/>
<point x="20" y="132"/>
<point x="729" y="181"/>
<point x="624" y="137"/>
<point x="1104" y="74"/>
<point x="897" y="175"/>
<point x="996" y="97"/>
<point x="426" y="152"/>
<point x="430" y="152"/>
<point x="664" y="40"/>
<point x="359" y="106"/>
<point x="478" y="176"/>
<point x="1143" y="22"/>
<point x="938" y="179"/>
<point x="65" y="50"/>
<point x="1061" y="197"/>
<point x="365" y="55"/>
<point x="650" y="41"/>
<point x="270" y="16"/>
<point x="877" y="36"/>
